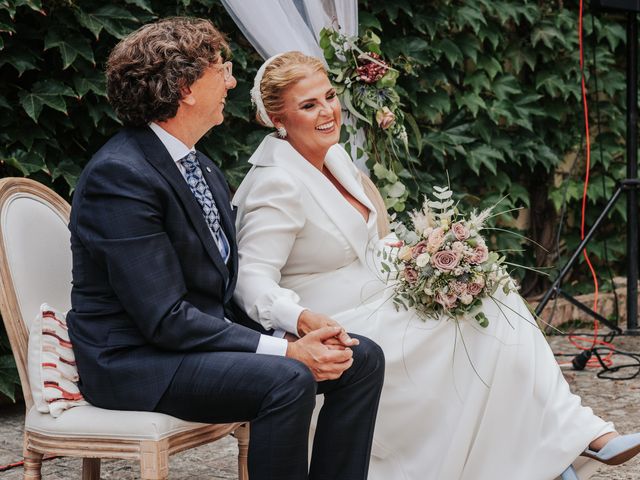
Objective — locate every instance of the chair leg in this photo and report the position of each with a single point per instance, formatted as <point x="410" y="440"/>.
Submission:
<point x="32" y="465"/>
<point x="90" y="469"/>
<point x="154" y="460"/>
<point x="242" y="436"/>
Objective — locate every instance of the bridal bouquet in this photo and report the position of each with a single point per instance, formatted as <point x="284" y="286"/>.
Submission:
<point x="442" y="264"/>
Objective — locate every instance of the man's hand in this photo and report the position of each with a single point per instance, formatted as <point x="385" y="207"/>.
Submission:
<point x="309" y="321"/>
<point x="325" y="363"/>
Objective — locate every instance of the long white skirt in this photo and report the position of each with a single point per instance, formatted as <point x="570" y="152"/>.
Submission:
<point x="461" y="402"/>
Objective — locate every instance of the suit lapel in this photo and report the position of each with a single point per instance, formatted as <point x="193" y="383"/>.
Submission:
<point x="157" y="155"/>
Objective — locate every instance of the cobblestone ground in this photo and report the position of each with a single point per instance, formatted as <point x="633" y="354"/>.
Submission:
<point x="618" y="401"/>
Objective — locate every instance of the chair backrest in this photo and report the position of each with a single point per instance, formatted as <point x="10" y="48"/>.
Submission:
<point x="35" y="261"/>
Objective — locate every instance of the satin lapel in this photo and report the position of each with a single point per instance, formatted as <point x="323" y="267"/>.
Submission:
<point x="325" y="194"/>
<point x="160" y="159"/>
<point x="221" y="197"/>
<point x="344" y="172"/>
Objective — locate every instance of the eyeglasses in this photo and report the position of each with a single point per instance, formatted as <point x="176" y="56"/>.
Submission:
<point x="227" y="70"/>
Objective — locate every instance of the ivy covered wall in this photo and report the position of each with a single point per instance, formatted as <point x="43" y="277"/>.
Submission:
<point x="492" y="84"/>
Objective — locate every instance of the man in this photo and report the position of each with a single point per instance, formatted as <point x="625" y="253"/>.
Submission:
<point x="154" y="268"/>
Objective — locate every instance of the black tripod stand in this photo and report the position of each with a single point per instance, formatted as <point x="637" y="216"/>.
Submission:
<point x="629" y="185"/>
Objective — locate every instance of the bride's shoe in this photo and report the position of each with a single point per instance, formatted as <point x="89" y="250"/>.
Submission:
<point x="617" y="450"/>
<point x="569" y="474"/>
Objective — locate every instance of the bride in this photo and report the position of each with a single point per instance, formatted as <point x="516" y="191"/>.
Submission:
<point x="496" y="408"/>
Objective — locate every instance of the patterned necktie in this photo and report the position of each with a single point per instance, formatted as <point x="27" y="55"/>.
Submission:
<point x="201" y="191"/>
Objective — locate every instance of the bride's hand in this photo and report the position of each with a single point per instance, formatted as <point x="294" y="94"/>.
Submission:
<point x="325" y="363"/>
<point x="309" y="321"/>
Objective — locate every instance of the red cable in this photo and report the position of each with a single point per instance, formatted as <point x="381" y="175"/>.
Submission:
<point x="578" y="341"/>
<point x="9" y="466"/>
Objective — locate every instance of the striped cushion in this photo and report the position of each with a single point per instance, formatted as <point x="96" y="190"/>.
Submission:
<point x="52" y="365"/>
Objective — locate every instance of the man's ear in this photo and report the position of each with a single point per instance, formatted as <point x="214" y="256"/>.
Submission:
<point x="187" y="96"/>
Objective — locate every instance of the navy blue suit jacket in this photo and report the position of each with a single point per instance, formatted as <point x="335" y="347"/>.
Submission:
<point x="149" y="284"/>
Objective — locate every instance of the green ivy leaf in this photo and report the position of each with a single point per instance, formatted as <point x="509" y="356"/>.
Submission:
<point x="469" y="16"/>
<point x="69" y="170"/>
<point x="469" y="45"/>
<point x="614" y="33"/>
<point x="22" y="60"/>
<point x="368" y="21"/>
<point x="27" y="162"/>
<point x="490" y="65"/>
<point x="548" y="35"/>
<point x="519" y="56"/>
<point x="32" y="4"/>
<point x="451" y="51"/>
<point x="69" y="47"/>
<point x="484" y="155"/>
<point x="505" y="86"/>
<point x="107" y="17"/>
<point x="6" y="28"/>
<point x="47" y="92"/>
<point x="478" y="80"/>
<point x="90" y="81"/>
<point x="434" y="104"/>
<point x="472" y="101"/>
<point x="9" y="378"/>
<point x="143" y="4"/>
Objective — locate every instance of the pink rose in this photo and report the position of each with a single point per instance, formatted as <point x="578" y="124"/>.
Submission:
<point x="459" y="288"/>
<point x="445" y="260"/>
<point x="447" y="300"/>
<point x="418" y="249"/>
<point x="474" y="288"/>
<point x="385" y="118"/>
<point x="479" y="255"/>
<point x="436" y="237"/>
<point x="411" y="275"/>
<point x="460" y="230"/>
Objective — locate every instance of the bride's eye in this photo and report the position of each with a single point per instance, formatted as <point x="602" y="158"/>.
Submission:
<point x="307" y="106"/>
<point x="331" y="96"/>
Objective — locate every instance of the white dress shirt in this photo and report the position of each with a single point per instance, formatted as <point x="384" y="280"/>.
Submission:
<point x="268" y="345"/>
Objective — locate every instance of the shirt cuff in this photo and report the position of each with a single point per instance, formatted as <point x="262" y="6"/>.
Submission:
<point x="286" y="313"/>
<point x="269" y="345"/>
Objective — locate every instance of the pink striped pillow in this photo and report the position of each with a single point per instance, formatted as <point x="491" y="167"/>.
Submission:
<point x="52" y="366"/>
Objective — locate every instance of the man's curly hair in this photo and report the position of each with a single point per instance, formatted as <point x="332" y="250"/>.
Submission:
<point x="148" y="70"/>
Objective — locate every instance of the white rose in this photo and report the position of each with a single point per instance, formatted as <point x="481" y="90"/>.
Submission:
<point x="466" y="298"/>
<point x="423" y="259"/>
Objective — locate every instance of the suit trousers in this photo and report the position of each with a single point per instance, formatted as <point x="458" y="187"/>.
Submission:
<point x="277" y="395"/>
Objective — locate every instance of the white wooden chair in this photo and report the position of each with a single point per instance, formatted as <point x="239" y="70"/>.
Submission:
<point x="35" y="267"/>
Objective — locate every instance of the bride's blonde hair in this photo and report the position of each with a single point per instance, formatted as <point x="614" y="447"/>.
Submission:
<point x="284" y="71"/>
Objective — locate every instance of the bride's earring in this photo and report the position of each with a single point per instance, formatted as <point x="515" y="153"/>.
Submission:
<point x="282" y="132"/>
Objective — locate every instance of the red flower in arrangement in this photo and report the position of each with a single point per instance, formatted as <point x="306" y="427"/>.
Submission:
<point x="369" y="71"/>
